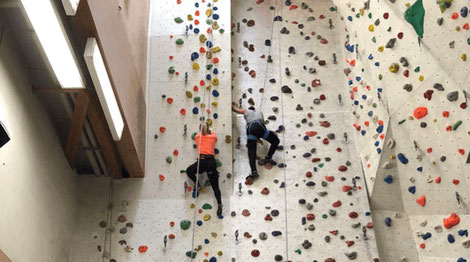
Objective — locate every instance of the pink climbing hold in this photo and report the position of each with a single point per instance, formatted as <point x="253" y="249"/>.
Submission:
<point x="421" y="201"/>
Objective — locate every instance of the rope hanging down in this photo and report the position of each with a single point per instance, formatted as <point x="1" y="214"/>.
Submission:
<point x="208" y="76"/>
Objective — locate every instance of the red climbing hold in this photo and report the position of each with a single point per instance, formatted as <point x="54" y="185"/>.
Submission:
<point x="347" y="188"/>
<point x="172" y="224"/>
<point x="326" y="141"/>
<point x="171" y="236"/>
<point x="342" y="168"/>
<point x="322" y="97"/>
<point x="406" y="73"/>
<point x="461" y="151"/>
<point x="315" y="159"/>
<point x="420" y="112"/>
<point x="336" y="204"/>
<point x="455" y="181"/>
<point x="143" y="249"/>
<point x="323" y="41"/>
<point x="353" y="215"/>
<point x="330" y="178"/>
<point x="268" y="217"/>
<point x="438" y="180"/>
<point x="370" y="225"/>
<point x="265" y="191"/>
<point x="325" y="124"/>
<point x="162" y="129"/>
<point x="183" y="111"/>
<point x="349" y="243"/>
<point x="400" y="35"/>
<point x="429" y="150"/>
<point x="311" y="133"/>
<point x="246" y="213"/>
<point x="454" y="16"/>
<point x="451" y="221"/>
<point x="310" y="216"/>
<point x="255" y="253"/>
<point x="169" y="100"/>
<point x="421" y="201"/>
<point x="321" y="17"/>
<point x="308" y="174"/>
<point x="422" y="245"/>
<point x="161" y="177"/>
<point x="338" y="149"/>
<point x="292" y="7"/>
<point x="259" y="1"/>
<point x="316" y="82"/>
<point x="175" y="152"/>
<point x="247" y="235"/>
<point x="445" y="114"/>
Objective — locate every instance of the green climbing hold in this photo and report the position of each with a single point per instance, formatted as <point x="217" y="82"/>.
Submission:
<point x="370" y="15"/>
<point x="358" y="15"/>
<point x="468" y="40"/>
<point x="221" y="31"/>
<point x="302" y="85"/>
<point x="208" y="21"/>
<point x="171" y="70"/>
<point x="321" y="165"/>
<point x="333" y="8"/>
<point x="444" y="4"/>
<point x="380" y="77"/>
<point x="169" y="160"/>
<point x="185" y="224"/>
<point x="193" y="136"/>
<point x="417" y="69"/>
<point x="178" y="20"/>
<point x="456" y="125"/>
<point x="197" y="99"/>
<point x="179" y="41"/>
<point x="191" y="254"/>
<point x="324" y="216"/>
<point x="298" y="251"/>
<point x="415" y="16"/>
<point x="155" y="136"/>
<point x="209" y="66"/>
<point x="218" y="163"/>
<point x="343" y="178"/>
<point x="374" y="105"/>
<point x="374" y="40"/>
<point x="207" y="206"/>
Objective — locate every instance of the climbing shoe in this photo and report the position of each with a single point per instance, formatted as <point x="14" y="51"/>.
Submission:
<point x="265" y="161"/>
<point x="219" y="210"/>
<point x="249" y="179"/>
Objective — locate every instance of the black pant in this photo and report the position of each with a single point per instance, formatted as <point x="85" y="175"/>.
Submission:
<point x="255" y="131"/>
<point x="210" y="166"/>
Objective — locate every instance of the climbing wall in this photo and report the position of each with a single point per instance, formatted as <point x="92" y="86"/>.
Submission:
<point x="313" y="206"/>
<point x="408" y="73"/>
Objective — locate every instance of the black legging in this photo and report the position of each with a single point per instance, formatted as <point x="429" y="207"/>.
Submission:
<point x="255" y="131"/>
<point x="210" y="166"/>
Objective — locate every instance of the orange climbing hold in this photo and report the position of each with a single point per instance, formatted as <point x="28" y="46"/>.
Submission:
<point x="421" y="201"/>
<point x="451" y="221"/>
<point x="143" y="249"/>
<point x="420" y="112"/>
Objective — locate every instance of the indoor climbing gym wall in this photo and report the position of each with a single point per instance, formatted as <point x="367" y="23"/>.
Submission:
<point x="408" y="79"/>
<point x="369" y="101"/>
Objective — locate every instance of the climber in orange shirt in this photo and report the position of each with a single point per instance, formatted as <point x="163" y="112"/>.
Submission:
<point x="205" y="142"/>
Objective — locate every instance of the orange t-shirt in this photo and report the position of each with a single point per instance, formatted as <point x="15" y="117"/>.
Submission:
<point x="207" y="143"/>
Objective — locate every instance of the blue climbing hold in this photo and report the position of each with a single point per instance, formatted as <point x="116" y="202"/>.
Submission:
<point x="377" y="64"/>
<point x="377" y="143"/>
<point x="197" y="4"/>
<point x="370" y="113"/>
<point x="364" y="97"/>
<point x="215" y="16"/>
<point x="463" y="232"/>
<point x="216" y="151"/>
<point x="367" y="213"/>
<point x="191" y="27"/>
<point x="195" y="110"/>
<point x="371" y="57"/>
<point x="215" y="71"/>
<point x="216" y="115"/>
<point x="194" y="56"/>
<point x="215" y="8"/>
<point x="412" y="189"/>
<point x="215" y="93"/>
<point x="199" y="223"/>
<point x="358" y="78"/>
<point x="464" y="11"/>
<point x="196" y="31"/>
<point x="379" y="90"/>
<point x="402" y="158"/>
<point x="356" y="102"/>
<point x="388" y="179"/>
<point x="461" y="259"/>
<point x="213" y="259"/>
<point x="450" y="238"/>
<point x="208" y="77"/>
<point x="209" y="44"/>
<point x="388" y="222"/>
<point x="379" y="150"/>
<point x="380" y="129"/>
<point x="420" y="169"/>
<point x="350" y="48"/>
<point x="206" y="241"/>
<point x="363" y="132"/>
<point x="426" y="236"/>
<point x="350" y="18"/>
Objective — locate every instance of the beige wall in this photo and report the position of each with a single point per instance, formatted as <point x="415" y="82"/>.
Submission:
<point x="37" y="186"/>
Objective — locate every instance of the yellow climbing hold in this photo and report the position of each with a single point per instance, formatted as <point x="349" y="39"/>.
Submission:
<point x="457" y="28"/>
<point x="216" y="49"/>
<point x="215" y="25"/>
<point x="202" y="38"/>
<point x="208" y="12"/>
<point x="394" y="67"/>
<point x="209" y="123"/>
<point x="219" y="253"/>
<point x="464" y="57"/>
<point x="190" y="17"/>
<point x="203" y="105"/>
<point x="189" y="94"/>
<point x="208" y="55"/>
<point x="361" y="11"/>
<point x="228" y="139"/>
<point x="381" y="49"/>
<point x="371" y="28"/>
<point x="407" y="4"/>
<point x="214" y="104"/>
<point x="207" y="217"/>
<point x="421" y="78"/>
<point x="214" y="235"/>
<point x="196" y="66"/>
<point x="435" y="120"/>
<point x="215" y="81"/>
<point x="392" y="157"/>
<point x="208" y="88"/>
<point x="192" y="205"/>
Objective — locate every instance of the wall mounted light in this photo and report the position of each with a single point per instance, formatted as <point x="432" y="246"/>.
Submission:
<point x="51" y="35"/>
<point x="70" y="6"/>
<point x="99" y="75"/>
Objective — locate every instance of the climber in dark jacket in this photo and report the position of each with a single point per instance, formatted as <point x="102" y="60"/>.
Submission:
<point x="255" y="130"/>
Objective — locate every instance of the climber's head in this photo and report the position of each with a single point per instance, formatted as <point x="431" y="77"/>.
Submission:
<point x="204" y="129"/>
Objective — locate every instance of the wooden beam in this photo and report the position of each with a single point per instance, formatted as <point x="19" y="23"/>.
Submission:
<point x="59" y="90"/>
<point x="104" y="137"/>
<point x="3" y="257"/>
<point x="76" y="127"/>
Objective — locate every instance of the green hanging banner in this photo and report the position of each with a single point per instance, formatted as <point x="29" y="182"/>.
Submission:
<point x="415" y="16"/>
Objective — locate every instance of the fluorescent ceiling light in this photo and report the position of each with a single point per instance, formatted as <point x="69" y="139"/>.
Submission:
<point x="54" y="42"/>
<point x="99" y="75"/>
<point x="70" y="6"/>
